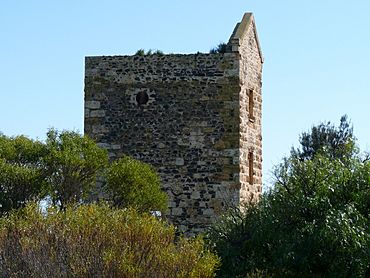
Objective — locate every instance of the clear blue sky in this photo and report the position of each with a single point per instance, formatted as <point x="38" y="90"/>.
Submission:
<point x="317" y="58"/>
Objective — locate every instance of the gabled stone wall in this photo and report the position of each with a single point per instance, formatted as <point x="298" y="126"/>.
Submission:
<point x="185" y="115"/>
<point x="245" y="42"/>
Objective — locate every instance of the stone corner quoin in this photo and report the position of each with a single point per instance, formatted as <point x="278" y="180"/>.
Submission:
<point x="196" y="118"/>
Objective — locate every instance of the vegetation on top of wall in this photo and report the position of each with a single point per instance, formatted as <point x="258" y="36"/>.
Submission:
<point x="220" y="48"/>
<point x="313" y="223"/>
<point x="141" y="52"/>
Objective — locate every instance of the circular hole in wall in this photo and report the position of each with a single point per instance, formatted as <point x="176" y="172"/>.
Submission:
<point x="142" y="98"/>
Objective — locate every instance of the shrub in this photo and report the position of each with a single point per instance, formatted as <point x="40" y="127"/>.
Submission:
<point x="220" y="48"/>
<point x="158" y="52"/>
<point x="136" y="184"/>
<point x="230" y="238"/>
<point x="140" y="52"/>
<point x="97" y="241"/>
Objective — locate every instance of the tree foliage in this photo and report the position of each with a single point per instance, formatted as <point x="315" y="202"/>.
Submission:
<point x="313" y="223"/>
<point x="97" y="241"/>
<point x="21" y="171"/>
<point x="72" y="164"/>
<point x="65" y="168"/>
<point x="136" y="184"/>
<point x="334" y="142"/>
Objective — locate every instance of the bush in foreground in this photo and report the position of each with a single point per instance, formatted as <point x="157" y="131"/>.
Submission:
<point x="97" y="241"/>
<point x="313" y="223"/>
<point x="132" y="183"/>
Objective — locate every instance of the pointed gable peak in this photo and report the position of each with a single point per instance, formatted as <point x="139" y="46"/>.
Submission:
<point x="241" y="29"/>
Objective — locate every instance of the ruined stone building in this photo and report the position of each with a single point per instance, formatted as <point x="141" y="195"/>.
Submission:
<point x="195" y="117"/>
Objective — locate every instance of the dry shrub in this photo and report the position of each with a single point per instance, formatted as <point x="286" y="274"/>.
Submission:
<point x="97" y="241"/>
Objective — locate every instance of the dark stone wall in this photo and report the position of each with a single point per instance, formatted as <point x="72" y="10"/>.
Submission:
<point x="180" y="113"/>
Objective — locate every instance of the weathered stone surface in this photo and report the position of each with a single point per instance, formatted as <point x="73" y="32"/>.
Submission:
<point x="250" y="128"/>
<point x="92" y="104"/>
<point x="97" y="113"/>
<point x="187" y="115"/>
<point x="179" y="161"/>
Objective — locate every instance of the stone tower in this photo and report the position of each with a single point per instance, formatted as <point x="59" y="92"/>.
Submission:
<point x="196" y="118"/>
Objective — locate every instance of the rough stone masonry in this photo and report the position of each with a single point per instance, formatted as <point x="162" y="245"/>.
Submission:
<point x="196" y="118"/>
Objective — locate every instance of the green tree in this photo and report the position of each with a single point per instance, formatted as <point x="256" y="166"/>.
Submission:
<point x="313" y="223"/>
<point x="136" y="184"/>
<point x="21" y="172"/>
<point x="72" y="164"/>
<point x="97" y="241"/>
<point x="334" y="142"/>
<point x="66" y="167"/>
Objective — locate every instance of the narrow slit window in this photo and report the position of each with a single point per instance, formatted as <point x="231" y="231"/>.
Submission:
<point x="251" y="105"/>
<point x="250" y="166"/>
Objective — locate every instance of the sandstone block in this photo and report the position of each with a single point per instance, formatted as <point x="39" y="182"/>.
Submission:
<point x="97" y="113"/>
<point x="92" y="104"/>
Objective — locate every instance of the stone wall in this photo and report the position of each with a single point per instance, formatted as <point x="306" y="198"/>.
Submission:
<point x="245" y="42"/>
<point x="186" y="116"/>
